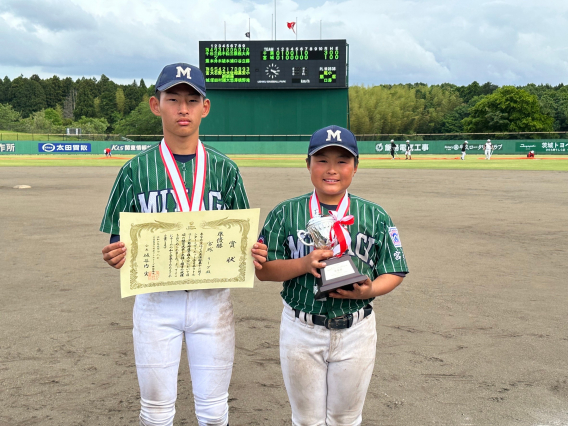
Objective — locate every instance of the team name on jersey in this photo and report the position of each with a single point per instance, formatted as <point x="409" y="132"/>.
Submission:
<point x="363" y="244"/>
<point x="157" y="201"/>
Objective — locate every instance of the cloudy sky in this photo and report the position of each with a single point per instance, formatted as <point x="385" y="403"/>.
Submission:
<point x="396" y="41"/>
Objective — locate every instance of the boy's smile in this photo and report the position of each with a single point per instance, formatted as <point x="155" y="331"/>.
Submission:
<point x="332" y="170"/>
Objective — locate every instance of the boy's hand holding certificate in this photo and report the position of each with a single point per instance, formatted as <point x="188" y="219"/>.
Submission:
<point x="187" y="251"/>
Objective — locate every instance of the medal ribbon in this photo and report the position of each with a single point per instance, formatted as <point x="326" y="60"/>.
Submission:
<point x="184" y="203"/>
<point x="339" y="231"/>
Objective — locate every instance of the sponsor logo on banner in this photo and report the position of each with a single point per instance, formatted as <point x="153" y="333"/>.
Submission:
<point x="393" y="232"/>
<point x="7" y="147"/>
<point x="64" y="147"/>
<point x="131" y="147"/>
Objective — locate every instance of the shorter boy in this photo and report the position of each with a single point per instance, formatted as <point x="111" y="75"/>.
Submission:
<point x="327" y="347"/>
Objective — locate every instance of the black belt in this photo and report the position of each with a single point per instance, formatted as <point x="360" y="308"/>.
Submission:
<point x="337" y="323"/>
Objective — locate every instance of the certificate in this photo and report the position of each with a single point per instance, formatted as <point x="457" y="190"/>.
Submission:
<point x="187" y="251"/>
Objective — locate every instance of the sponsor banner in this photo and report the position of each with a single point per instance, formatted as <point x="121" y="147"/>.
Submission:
<point x="543" y="147"/>
<point x="472" y="146"/>
<point x="416" y="147"/>
<point x="131" y="147"/>
<point x="59" y="147"/>
<point x="8" y="147"/>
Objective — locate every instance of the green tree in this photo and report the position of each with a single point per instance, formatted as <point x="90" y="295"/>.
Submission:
<point x="26" y="96"/>
<point x="8" y="117"/>
<point x="85" y="101"/>
<point x="4" y="89"/>
<point x="141" y="121"/>
<point x="54" y="116"/>
<point x="120" y="100"/>
<point x="508" y="109"/>
<point x="92" y="126"/>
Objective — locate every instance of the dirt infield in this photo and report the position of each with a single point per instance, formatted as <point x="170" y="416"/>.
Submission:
<point x="476" y="335"/>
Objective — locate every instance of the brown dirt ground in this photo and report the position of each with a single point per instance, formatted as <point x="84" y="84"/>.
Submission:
<point x="476" y="334"/>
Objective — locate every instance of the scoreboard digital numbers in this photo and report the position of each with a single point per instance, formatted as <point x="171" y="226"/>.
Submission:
<point x="292" y="64"/>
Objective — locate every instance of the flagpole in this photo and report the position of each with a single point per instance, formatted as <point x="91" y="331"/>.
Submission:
<point x="296" y="28"/>
<point x="274" y="19"/>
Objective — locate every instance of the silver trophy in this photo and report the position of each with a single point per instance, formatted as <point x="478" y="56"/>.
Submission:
<point x="340" y="272"/>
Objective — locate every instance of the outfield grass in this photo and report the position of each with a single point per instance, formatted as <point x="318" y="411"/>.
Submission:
<point x="472" y="162"/>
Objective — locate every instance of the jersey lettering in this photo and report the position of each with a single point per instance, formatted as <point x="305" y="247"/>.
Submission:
<point x="297" y="248"/>
<point x="364" y="242"/>
<point x="150" y="205"/>
<point x="215" y="201"/>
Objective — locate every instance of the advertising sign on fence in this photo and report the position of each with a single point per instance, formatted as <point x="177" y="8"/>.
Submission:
<point x="130" y="147"/>
<point x="64" y="147"/>
<point x="8" y="147"/>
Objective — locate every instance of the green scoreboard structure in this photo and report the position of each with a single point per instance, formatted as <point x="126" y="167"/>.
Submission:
<point x="288" y="87"/>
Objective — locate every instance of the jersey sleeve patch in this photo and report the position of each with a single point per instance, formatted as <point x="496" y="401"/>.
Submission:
<point x="393" y="232"/>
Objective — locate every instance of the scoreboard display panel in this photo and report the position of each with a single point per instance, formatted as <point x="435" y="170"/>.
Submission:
<point x="285" y="64"/>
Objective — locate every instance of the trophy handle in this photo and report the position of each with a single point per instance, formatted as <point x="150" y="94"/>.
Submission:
<point x="301" y="235"/>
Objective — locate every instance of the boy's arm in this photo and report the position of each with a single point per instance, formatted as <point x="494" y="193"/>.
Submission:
<point x="286" y="269"/>
<point x="368" y="289"/>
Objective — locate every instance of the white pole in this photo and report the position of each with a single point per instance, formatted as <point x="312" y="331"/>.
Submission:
<point x="296" y="28"/>
<point x="274" y="19"/>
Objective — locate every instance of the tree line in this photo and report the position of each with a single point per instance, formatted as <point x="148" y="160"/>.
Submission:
<point x="102" y="106"/>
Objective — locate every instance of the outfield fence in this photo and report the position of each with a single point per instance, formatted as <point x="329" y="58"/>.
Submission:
<point x="439" y="147"/>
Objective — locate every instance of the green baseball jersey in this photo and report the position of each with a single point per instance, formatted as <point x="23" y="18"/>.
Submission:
<point x="142" y="185"/>
<point x="375" y="249"/>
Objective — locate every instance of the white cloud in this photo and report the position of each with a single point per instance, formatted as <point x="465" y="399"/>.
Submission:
<point x="431" y="41"/>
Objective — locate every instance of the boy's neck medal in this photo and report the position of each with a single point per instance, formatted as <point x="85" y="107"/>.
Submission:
<point x="184" y="203"/>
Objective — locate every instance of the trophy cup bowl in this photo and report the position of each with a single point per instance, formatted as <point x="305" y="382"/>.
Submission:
<point x="340" y="272"/>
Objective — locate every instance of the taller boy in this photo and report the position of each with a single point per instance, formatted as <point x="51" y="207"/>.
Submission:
<point x="179" y="174"/>
<point x="327" y="348"/>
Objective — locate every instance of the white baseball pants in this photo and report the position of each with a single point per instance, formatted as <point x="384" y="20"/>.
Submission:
<point x="326" y="372"/>
<point x="487" y="154"/>
<point x="463" y="155"/>
<point x="161" y="321"/>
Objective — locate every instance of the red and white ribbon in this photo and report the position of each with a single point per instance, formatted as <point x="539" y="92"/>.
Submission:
<point x="339" y="231"/>
<point x="184" y="203"/>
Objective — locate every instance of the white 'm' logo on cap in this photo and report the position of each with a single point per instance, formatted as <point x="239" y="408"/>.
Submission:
<point x="186" y="72"/>
<point x="335" y="135"/>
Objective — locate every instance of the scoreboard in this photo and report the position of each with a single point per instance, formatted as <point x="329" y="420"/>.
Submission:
<point x="274" y="64"/>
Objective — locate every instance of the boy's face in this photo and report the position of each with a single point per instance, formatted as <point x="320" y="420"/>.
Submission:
<point x="181" y="109"/>
<point x="332" y="170"/>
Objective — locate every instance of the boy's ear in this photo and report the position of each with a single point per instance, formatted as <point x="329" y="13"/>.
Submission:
<point x="155" y="106"/>
<point x="206" y="107"/>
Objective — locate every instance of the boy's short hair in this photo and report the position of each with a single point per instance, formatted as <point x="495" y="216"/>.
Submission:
<point x="309" y="160"/>
<point x="181" y="73"/>
<point x="333" y="136"/>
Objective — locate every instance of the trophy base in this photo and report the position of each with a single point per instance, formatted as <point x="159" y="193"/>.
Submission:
<point x="340" y="272"/>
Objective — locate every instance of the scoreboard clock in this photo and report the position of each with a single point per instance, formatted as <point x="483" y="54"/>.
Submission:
<point x="292" y="64"/>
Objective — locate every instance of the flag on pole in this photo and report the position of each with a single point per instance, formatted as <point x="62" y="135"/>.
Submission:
<point x="291" y="26"/>
<point x="247" y="34"/>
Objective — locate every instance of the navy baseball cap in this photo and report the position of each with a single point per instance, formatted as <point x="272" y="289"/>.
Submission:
<point x="333" y="136"/>
<point x="175" y="74"/>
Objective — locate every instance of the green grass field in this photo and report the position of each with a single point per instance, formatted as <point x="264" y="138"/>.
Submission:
<point x="472" y="162"/>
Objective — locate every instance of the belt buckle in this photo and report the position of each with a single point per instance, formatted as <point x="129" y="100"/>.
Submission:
<point x="339" y="323"/>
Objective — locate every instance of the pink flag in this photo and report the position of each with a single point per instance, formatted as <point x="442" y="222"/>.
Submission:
<point x="291" y="26"/>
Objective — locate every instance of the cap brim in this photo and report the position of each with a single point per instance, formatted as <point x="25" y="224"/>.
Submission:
<point x="175" y="83"/>
<point x="332" y="144"/>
